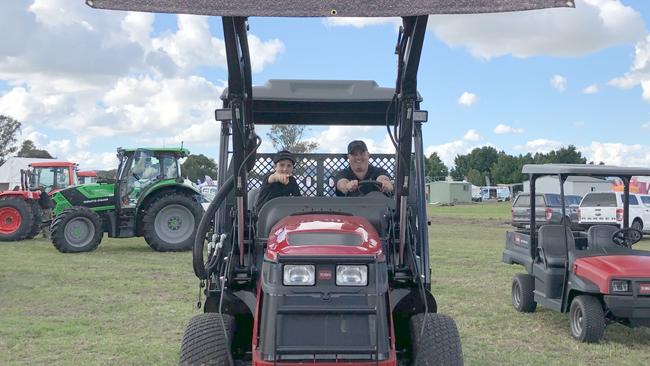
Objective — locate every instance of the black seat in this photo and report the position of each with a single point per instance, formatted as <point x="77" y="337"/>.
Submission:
<point x="551" y="239"/>
<point x="600" y="236"/>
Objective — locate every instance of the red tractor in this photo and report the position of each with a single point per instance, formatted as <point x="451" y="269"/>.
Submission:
<point x="22" y="209"/>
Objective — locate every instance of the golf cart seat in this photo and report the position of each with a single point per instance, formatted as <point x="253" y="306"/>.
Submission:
<point x="600" y="236"/>
<point x="252" y="198"/>
<point x="372" y="206"/>
<point x="552" y="242"/>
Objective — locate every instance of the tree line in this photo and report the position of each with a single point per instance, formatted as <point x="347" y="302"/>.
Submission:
<point x="497" y="166"/>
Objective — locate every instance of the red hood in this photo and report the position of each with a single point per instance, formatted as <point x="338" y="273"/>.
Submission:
<point x="279" y="243"/>
<point x="601" y="270"/>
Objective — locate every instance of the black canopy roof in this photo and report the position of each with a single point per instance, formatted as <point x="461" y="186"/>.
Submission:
<point x="322" y="102"/>
<point x="320" y="8"/>
<point x="585" y="169"/>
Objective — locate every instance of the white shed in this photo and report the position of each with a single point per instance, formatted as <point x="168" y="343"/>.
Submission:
<point x="574" y="185"/>
<point x="10" y="171"/>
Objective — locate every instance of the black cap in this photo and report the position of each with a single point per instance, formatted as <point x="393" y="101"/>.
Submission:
<point x="284" y="155"/>
<point x="357" y="145"/>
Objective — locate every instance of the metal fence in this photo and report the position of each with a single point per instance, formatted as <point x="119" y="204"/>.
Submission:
<point x="315" y="172"/>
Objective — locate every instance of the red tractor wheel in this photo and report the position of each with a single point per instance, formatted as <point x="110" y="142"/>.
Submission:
<point x="15" y="219"/>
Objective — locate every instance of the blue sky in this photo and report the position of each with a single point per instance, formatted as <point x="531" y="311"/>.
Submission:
<point x="84" y="81"/>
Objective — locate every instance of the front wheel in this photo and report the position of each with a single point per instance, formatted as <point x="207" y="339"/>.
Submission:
<point x="587" y="319"/>
<point x="437" y="343"/>
<point x="76" y="230"/>
<point x="523" y="298"/>
<point x="170" y="223"/>
<point x="207" y="340"/>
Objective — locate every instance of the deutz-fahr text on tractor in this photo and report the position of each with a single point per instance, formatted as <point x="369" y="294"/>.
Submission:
<point x="149" y="198"/>
<point x="22" y="210"/>
<point x="318" y="279"/>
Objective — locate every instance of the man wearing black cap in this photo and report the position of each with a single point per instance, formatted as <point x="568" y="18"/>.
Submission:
<point x="280" y="182"/>
<point x="347" y="180"/>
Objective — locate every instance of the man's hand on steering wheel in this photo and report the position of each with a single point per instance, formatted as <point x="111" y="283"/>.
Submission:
<point x="627" y="237"/>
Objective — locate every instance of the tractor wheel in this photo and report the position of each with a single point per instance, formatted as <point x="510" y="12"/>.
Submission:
<point x="170" y="223"/>
<point x="37" y="220"/>
<point x="16" y="218"/>
<point x="523" y="298"/>
<point x="438" y="343"/>
<point x="76" y="230"/>
<point x="587" y="319"/>
<point x="206" y="342"/>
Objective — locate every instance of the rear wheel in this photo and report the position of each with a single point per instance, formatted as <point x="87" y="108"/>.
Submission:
<point x="170" y="223"/>
<point x="637" y="224"/>
<point x="16" y="218"/>
<point x="37" y="219"/>
<point x="438" y="343"/>
<point x="206" y="341"/>
<point x="523" y="298"/>
<point x="76" y="230"/>
<point x="587" y="319"/>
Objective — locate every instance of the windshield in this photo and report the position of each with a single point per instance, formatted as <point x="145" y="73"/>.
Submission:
<point x="599" y="200"/>
<point x="51" y="178"/>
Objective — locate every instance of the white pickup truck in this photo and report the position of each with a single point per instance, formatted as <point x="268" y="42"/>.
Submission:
<point x="606" y="208"/>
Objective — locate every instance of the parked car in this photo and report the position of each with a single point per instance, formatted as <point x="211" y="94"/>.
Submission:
<point x="606" y="208"/>
<point x="547" y="205"/>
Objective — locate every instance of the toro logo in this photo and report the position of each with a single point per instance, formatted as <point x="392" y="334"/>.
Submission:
<point x="517" y="240"/>
<point x="645" y="288"/>
<point x="324" y="274"/>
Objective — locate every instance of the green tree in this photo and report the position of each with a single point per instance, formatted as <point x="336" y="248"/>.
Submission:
<point x="288" y="137"/>
<point x="507" y="168"/>
<point x="480" y="159"/>
<point x="29" y="150"/>
<point x="475" y="177"/>
<point x="435" y="169"/>
<point x="9" y="127"/>
<point x="198" y="166"/>
<point x="566" y="155"/>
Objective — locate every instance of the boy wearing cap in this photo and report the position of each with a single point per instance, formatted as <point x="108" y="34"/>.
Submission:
<point x="280" y="182"/>
<point x="347" y="180"/>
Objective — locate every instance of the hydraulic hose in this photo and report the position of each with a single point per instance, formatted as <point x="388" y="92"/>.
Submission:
<point x="204" y="227"/>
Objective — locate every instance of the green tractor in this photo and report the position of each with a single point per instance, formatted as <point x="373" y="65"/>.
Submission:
<point x="148" y="198"/>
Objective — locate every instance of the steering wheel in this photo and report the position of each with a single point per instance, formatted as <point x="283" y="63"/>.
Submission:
<point x="374" y="182"/>
<point x="627" y="237"/>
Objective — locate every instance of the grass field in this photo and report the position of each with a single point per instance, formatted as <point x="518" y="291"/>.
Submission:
<point x="127" y="305"/>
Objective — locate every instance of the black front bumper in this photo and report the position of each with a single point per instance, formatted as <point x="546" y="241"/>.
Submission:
<point x="630" y="307"/>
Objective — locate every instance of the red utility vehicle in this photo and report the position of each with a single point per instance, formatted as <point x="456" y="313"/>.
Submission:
<point x="594" y="275"/>
<point x="87" y="177"/>
<point x="21" y="210"/>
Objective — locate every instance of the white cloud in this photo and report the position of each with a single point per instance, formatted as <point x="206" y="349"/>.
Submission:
<point x="360" y="22"/>
<point x="617" y="153"/>
<point x="579" y="124"/>
<point x="593" y="25"/>
<point x="502" y="129"/>
<point x="97" y="74"/>
<point x="558" y="82"/>
<point x="467" y="99"/>
<point x="646" y="126"/>
<point x="471" y="135"/>
<point x="639" y="73"/>
<point x="591" y="89"/>
<point x="539" y="146"/>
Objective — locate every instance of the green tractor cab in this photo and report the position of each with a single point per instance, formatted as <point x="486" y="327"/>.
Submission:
<point x="149" y="198"/>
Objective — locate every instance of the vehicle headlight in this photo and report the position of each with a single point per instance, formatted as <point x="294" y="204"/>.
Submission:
<point x="298" y="275"/>
<point x="620" y="286"/>
<point x="351" y="275"/>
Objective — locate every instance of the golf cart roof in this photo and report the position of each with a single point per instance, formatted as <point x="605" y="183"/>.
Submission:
<point x="584" y="169"/>
<point x="331" y="8"/>
<point x="330" y="102"/>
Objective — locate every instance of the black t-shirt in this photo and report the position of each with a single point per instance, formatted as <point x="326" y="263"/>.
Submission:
<point x="271" y="190"/>
<point x="372" y="174"/>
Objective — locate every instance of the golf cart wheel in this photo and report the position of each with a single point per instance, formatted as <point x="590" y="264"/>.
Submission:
<point x="587" y="319"/>
<point x="438" y="343"/>
<point x="76" y="230"/>
<point x="170" y="223"/>
<point x="37" y="219"/>
<point x="523" y="298"/>
<point x="206" y="342"/>
<point x="637" y="224"/>
<point x="15" y="218"/>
